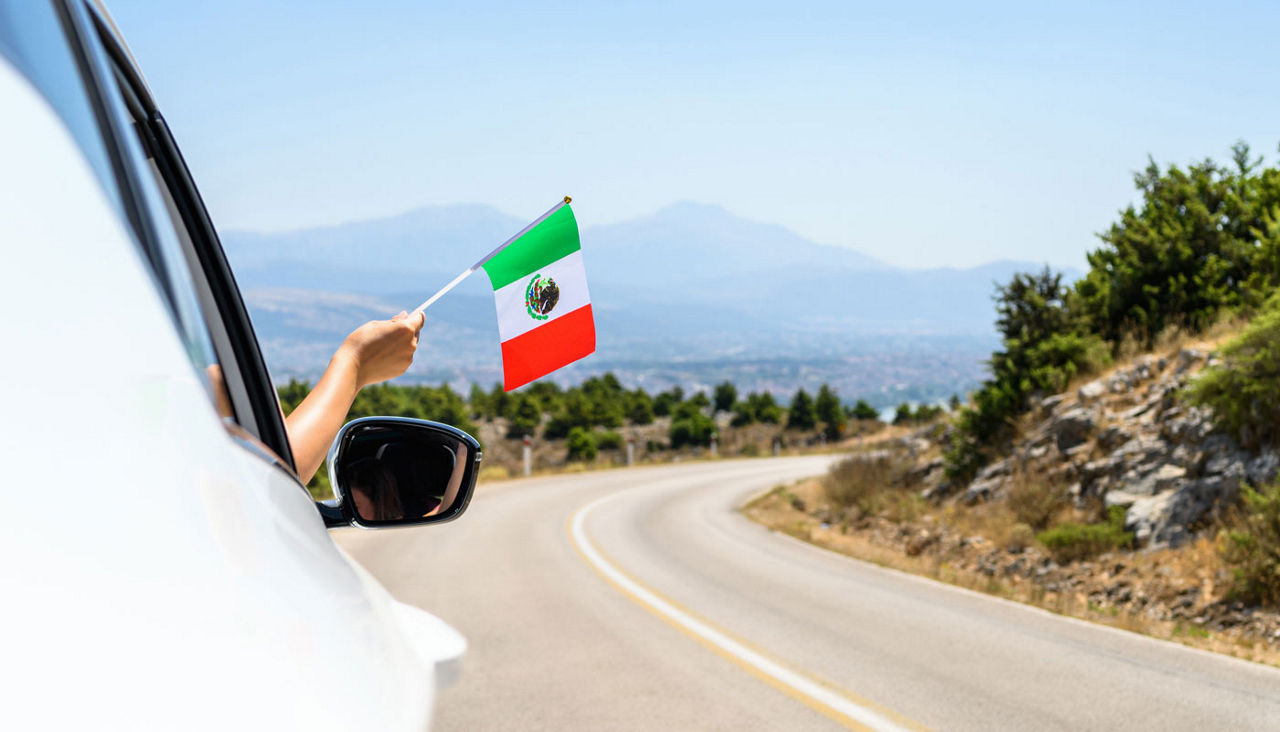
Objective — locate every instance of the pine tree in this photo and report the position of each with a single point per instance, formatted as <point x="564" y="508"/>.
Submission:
<point x="800" y="415"/>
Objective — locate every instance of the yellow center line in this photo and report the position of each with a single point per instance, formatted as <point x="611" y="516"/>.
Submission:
<point x="822" y="696"/>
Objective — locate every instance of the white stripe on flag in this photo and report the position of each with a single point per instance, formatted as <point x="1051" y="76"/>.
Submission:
<point x="570" y="277"/>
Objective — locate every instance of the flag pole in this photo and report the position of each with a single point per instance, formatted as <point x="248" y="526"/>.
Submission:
<point x="467" y="272"/>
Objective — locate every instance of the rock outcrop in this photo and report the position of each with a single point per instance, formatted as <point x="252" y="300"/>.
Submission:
<point x="1129" y="440"/>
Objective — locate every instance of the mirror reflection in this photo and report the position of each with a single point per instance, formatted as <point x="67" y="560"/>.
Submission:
<point x="394" y="473"/>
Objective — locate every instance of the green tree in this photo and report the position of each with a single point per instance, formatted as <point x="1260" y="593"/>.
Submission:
<point x="1193" y="247"/>
<point x="666" y="401"/>
<point x="864" y="411"/>
<point x="1044" y="345"/>
<point x="499" y="401"/>
<point x="292" y="394"/>
<point x="764" y="408"/>
<point x="724" y="397"/>
<point x="743" y="414"/>
<point x="525" y="416"/>
<point x="903" y="414"/>
<point x="639" y="408"/>
<point x="699" y="401"/>
<point x="478" y="400"/>
<point x="829" y="412"/>
<point x="800" y="415"/>
<point x="575" y="411"/>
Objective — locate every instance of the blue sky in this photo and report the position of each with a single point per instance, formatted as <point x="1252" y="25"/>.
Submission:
<point x="922" y="133"/>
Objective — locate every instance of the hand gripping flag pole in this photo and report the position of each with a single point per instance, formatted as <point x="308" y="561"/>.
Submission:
<point x="467" y="272"/>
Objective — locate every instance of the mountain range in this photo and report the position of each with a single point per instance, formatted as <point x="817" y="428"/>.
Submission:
<point x="691" y="294"/>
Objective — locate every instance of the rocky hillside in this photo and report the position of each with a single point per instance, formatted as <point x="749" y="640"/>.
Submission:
<point x="1129" y="440"/>
<point x="1108" y="504"/>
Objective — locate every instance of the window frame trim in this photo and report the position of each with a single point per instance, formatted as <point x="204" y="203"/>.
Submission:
<point x="265" y="404"/>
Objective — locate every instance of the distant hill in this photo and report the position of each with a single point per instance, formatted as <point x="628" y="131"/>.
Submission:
<point x="688" y="284"/>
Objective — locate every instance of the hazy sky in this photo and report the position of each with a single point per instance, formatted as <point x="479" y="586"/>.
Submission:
<point x="922" y="133"/>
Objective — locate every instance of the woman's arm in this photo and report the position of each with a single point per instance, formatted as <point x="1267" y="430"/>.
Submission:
<point x="376" y="351"/>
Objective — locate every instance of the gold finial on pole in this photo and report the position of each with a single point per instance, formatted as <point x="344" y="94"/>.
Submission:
<point x="568" y="200"/>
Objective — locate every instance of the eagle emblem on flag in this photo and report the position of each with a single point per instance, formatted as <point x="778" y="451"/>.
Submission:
<point x="540" y="297"/>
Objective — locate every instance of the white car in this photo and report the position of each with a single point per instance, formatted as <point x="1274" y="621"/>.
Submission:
<point x="162" y="566"/>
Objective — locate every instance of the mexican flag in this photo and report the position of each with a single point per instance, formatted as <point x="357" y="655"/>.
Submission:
<point x="540" y="290"/>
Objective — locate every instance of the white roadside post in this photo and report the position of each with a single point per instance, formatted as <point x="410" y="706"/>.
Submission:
<point x="777" y="446"/>
<point x="631" y="450"/>
<point x="528" y="456"/>
<point x="715" y="444"/>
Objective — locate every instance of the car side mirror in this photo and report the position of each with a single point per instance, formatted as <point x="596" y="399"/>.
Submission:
<point x="394" y="471"/>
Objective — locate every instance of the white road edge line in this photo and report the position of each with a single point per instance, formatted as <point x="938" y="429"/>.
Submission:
<point x="779" y="673"/>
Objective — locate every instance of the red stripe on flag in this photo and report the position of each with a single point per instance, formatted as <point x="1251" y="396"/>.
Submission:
<point x="546" y="348"/>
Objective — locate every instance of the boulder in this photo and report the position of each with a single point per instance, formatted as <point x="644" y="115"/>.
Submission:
<point x="1161" y="479"/>
<point x="1263" y="468"/>
<point x="1091" y="391"/>
<point x="1120" y="383"/>
<point x="1050" y="403"/>
<point x="981" y="490"/>
<point x="1141" y="449"/>
<point x="1227" y="461"/>
<point x="996" y="469"/>
<point x="1187" y="358"/>
<point x="1163" y="519"/>
<point x="1072" y="427"/>
<point x="1113" y="436"/>
<point x="1193" y="425"/>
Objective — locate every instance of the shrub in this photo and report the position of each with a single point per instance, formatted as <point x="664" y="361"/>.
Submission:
<point x="1071" y="541"/>
<point x="692" y="429"/>
<point x="863" y="482"/>
<point x="1034" y="502"/>
<point x="750" y="449"/>
<point x="1020" y="537"/>
<point x="1244" y="392"/>
<point x="609" y="440"/>
<point x="582" y="445"/>
<point x="1252" y="546"/>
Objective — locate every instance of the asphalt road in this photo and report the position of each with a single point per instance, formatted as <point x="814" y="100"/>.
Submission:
<point x="640" y="599"/>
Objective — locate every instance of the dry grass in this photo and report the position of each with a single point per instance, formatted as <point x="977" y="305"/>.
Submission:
<point x="1197" y="565"/>
<point x="1034" y="501"/>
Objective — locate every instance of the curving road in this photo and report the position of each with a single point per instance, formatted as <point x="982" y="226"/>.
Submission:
<point x="640" y="599"/>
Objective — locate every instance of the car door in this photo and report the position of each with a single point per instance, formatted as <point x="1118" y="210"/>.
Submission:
<point x="217" y="598"/>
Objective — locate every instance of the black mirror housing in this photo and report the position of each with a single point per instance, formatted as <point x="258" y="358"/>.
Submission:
<point x="395" y="471"/>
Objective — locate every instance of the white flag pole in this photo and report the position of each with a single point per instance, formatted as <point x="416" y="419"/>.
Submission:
<point x="467" y="272"/>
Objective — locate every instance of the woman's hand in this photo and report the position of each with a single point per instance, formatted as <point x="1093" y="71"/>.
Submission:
<point x="382" y="349"/>
<point x="376" y="351"/>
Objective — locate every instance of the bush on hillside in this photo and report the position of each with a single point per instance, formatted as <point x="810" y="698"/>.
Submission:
<point x="582" y="445"/>
<point x="609" y="440"/>
<point x="1244" y="392"/>
<point x="869" y="483"/>
<point x="1070" y="541"/>
<point x="1252" y="546"/>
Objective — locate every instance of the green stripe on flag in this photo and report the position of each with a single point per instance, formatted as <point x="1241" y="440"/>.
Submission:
<point x="554" y="238"/>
